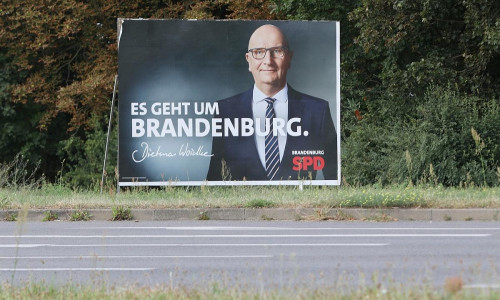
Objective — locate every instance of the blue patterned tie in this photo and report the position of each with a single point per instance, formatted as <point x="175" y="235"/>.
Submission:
<point x="271" y="145"/>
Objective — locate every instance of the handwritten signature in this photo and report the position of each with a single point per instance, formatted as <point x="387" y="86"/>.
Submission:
<point x="184" y="151"/>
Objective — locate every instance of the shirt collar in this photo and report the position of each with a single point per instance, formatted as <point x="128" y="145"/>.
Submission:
<point x="281" y="96"/>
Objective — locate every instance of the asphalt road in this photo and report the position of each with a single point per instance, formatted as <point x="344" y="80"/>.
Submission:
<point x="251" y="254"/>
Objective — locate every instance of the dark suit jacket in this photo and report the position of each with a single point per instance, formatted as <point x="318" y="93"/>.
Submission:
<point x="236" y="157"/>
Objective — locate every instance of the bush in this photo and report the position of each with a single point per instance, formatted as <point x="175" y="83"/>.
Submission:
<point x="84" y="160"/>
<point x="452" y="139"/>
<point x="121" y="213"/>
<point x="458" y="136"/>
<point x="50" y="216"/>
<point x="80" y="215"/>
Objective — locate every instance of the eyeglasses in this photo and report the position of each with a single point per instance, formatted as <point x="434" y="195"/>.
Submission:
<point x="276" y="52"/>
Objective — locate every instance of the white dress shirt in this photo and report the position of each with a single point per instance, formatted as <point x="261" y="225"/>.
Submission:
<point x="259" y="106"/>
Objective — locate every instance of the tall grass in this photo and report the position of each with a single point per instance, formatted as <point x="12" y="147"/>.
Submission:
<point x="59" y="197"/>
<point x="20" y="189"/>
<point x="16" y="174"/>
<point x="214" y="291"/>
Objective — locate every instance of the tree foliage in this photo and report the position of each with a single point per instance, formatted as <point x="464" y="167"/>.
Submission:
<point x="415" y="76"/>
<point x="433" y="76"/>
<point x="59" y="59"/>
<point x="428" y="42"/>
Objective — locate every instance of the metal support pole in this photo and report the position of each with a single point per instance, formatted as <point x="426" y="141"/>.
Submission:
<point x="109" y="132"/>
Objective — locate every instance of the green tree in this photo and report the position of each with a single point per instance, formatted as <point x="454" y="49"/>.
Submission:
<point x="59" y="59"/>
<point x="416" y="76"/>
<point x="435" y="75"/>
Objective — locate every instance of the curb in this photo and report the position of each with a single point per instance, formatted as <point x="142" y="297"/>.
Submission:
<point x="289" y="214"/>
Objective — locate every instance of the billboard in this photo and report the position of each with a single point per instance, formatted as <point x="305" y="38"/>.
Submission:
<point x="228" y="102"/>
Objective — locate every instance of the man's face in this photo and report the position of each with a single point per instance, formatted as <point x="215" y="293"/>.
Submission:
<point x="270" y="72"/>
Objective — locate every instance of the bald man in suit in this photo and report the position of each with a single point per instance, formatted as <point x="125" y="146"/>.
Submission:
<point x="306" y="141"/>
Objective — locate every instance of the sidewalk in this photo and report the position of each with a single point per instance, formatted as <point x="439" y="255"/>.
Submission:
<point x="291" y="214"/>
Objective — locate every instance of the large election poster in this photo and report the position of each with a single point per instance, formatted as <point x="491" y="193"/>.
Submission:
<point x="228" y="102"/>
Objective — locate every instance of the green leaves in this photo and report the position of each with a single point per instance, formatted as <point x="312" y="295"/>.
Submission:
<point x="416" y="76"/>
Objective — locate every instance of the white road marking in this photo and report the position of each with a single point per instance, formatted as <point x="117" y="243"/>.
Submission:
<point x="102" y="236"/>
<point x="134" y="256"/>
<point x="195" y="245"/>
<point x="482" y="286"/>
<point x="74" y="269"/>
<point x="208" y="228"/>
<point x="21" y="245"/>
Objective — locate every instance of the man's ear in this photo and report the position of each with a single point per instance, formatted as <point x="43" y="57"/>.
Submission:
<point x="290" y="54"/>
<point x="247" y="57"/>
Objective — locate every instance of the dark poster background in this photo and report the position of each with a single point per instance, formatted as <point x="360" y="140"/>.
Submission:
<point x="204" y="61"/>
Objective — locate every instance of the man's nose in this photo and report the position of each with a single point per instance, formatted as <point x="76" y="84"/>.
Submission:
<point x="268" y="57"/>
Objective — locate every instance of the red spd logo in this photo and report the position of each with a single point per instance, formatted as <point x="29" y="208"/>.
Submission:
<point x="304" y="162"/>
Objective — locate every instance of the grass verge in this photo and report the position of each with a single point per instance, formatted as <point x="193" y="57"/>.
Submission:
<point x="57" y="197"/>
<point x="44" y="291"/>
